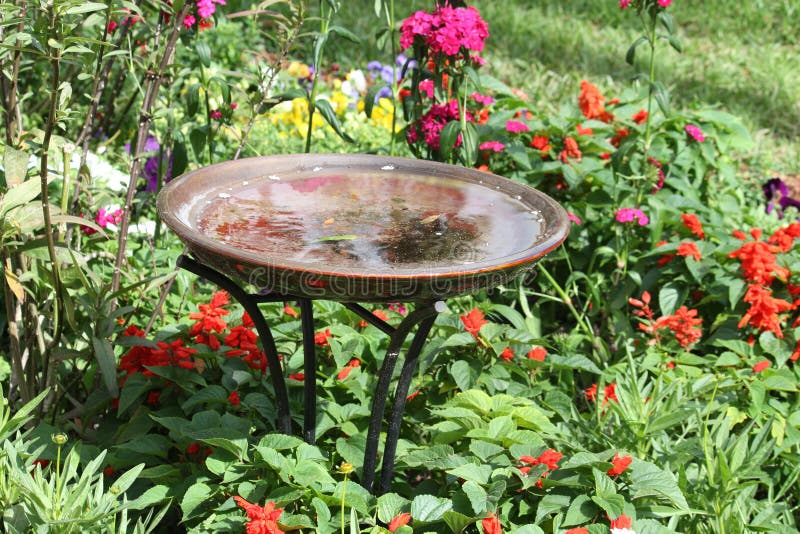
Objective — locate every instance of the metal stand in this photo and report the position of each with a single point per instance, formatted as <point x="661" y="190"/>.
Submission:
<point x="424" y="316"/>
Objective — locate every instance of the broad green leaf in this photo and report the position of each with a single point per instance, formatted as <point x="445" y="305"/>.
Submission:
<point x="457" y="522"/>
<point x="196" y="495"/>
<point x="309" y="473"/>
<point x="280" y="442"/>
<point x="212" y="394"/>
<point x="462" y="374"/>
<point x="203" y="52"/>
<point x="648" y="479"/>
<point x="427" y="508"/>
<point x="613" y="505"/>
<point x="580" y="511"/>
<point x="472" y="472"/>
<point x="149" y="444"/>
<point x="390" y="505"/>
<point x="149" y="498"/>
<point x="15" y="164"/>
<point x="476" y="495"/>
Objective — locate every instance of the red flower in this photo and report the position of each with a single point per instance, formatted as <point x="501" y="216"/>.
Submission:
<point x="288" y="310"/>
<point x="41" y="463"/>
<point x="233" y="398"/>
<point x="209" y="318"/>
<point x="193" y="448"/>
<point x="640" y="116"/>
<point x="591" y="393"/>
<point x="571" y="150"/>
<point x="784" y="238"/>
<point x="491" y="525"/>
<point x="321" y="338"/>
<point x="399" y="520"/>
<point x="760" y="366"/>
<point x="577" y="530"/>
<point x="541" y="143"/>
<point x="694" y="225"/>
<point x="684" y="324"/>
<point x="622" y="521"/>
<point x="610" y="393"/>
<point x="298" y="376"/>
<point x="241" y="337"/>
<point x="537" y="353"/>
<point x="473" y="321"/>
<point x="764" y="309"/>
<point x="349" y="367"/>
<point x="621" y="463"/>
<point x="583" y="131"/>
<point x="689" y="249"/>
<point x="152" y="397"/>
<point x="622" y="133"/>
<point x="108" y="471"/>
<point x="262" y="520"/>
<point x="758" y="262"/>
<point x="380" y="314"/>
<point x="507" y="354"/>
<point x="591" y="102"/>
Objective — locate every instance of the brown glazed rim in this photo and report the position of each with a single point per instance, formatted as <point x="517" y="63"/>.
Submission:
<point x="556" y="222"/>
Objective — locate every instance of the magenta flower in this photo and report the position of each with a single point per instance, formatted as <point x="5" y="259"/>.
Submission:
<point x="189" y="21"/>
<point x="486" y="100"/>
<point x="497" y="146"/>
<point x="445" y="31"/>
<point x="516" y="127"/>
<point x="695" y="133"/>
<point x="574" y="218"/>
<point x="426" y="86"/>
<point x="215" y="114"/>
<point x="625" y="215"/>
<point x="104" y="218"/>
<point x="624" y="3"/>
<point x="664" y="3"/>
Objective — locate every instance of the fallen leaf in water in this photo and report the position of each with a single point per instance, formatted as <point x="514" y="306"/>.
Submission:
<point x="430" y="219"/>
<point x="338" y="237"/>
<point x="329" y="221"/>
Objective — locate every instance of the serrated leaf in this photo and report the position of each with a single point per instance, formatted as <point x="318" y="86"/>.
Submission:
<point x="648" y="479"/>
<point x="427" y="508"/>
<point x="476" y="495"/>
<point x="457" y="522"/>
<point x="613" y="505"/>
<point x="472" y="472"/>
<point x="390" y="505"/>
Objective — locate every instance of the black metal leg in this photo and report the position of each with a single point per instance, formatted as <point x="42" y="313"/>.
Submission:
<point x="396" y="340"/>
<point x="310" y="371"/>
<point x="399" y="404"/>
<point x="250" y="305"/>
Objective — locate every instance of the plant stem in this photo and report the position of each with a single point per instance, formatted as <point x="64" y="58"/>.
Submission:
<point x="344" y="492"/>
<point x="650" y="81"/>
<point x="153" y="82"/>
<point x="312" y="98"/>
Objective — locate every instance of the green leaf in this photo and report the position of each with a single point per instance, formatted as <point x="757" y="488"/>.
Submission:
<point x="391" y="505"/>
<point x="149" y="498"/>
<point x="613" y="505"/>
<point x="324" y="107"/>
<point x="369" y="99"/>
<point x="19" y="195"/>
<point x="280" y="442"/>
<point x="448" y="137"/>
<point x="551" y="503"/>
<point x="319" y="47"/>
<point x="573" y="361"/>
<point x="662" y="98"/>
<point x="428" y="508"/>
<point x="344" y="32"/>
<point x="675" y="43"/>
<point x="462" y="374"/>
<point x="85" y="7"/>
<point x="476" y="495"/>
<point x="469" y="145"/>
<point x="580" y="511"/>
<point x="135" y="386"/>
<point x="237" y="447"/>
<point x="665" y="17"/>
<point x="104" y="354"/>
<point x="213" y="393"/>
<point x="15" y="164"/>
<point x="668" y="298"/>
<point x="196" y="495"/>
<point x="631" y="54"/>
<point x="472" y="472"/>
<point x="500" y="427"/>
<point x="149" y="444"/>
<point x="457" y="522"/>
<point x="648" y="479"/>
<point x="198" y="139"/>
<point x="180" y="158"/>
<point x="192" y="99"/>
<point x="312" y="474"/>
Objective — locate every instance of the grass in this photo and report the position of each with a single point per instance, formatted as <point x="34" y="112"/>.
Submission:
<point x="740" y="56"/>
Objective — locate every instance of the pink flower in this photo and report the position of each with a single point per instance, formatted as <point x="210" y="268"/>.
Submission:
<point x="625" y="215"/>
<point x="516" y="127"/>
<point x="418" y="24"/>
<point x="624" y="3"/>
<point x="189" y="21"/>
<point x="215" y="114"/>
<point x="486" y="100"/>
<point x="426" y="86"/>
<point x="104" y="218"/>
<point x="664" y="3"/>
<point x="497" y="146"/>
<point x="695" y="133"/>
<point x="445" y="31"/>
<point x="574" y="218"/>
<point x="206" y="8"/>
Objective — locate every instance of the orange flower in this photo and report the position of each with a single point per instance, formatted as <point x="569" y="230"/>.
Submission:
<point x="473" y="321"/>
<point x="620" y="463"/>
<point x="640" y="116"/>
<point x="491" y="525"/>
<point x="399" y="520"/>
<point x="380" y="314"/>
<point x="694" y="225"/>
<point x="759" y="262"/>
<point x="784" y="237"/>
<point x="760" y="366"/>
<point x="591" y="101"/>
<point x="577" y="530"/>
<point x="541" y="143"/>
<point x="262" y="520"/>
<point x="684" y="323"/>
<point x="621" y="522"/>
<point x="622" y="133"/>
<point x="571" y="150"/>
<point x="537" y="353"/>
<point x="584" y="131"/>
<point x="321" y="338"/>
<point x="288" y="310"/>
<point x="764" y="310"/>
<point x="688" y="249"/>
<point x="348" y="368"/>
<point x="507" y="354"/>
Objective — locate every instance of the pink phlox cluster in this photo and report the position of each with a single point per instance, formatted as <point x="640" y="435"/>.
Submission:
<point x="446" y="30"/>
<point x="625" y="215"/>
<point x="664" y="3"/>
<point x="105" y="217"/>
<point x="485" y="100"/>
<point x="516" y="127"/>
<point x="206" y="8"/>
<point x="430" y="125"/>
<point x="624" y="3"/>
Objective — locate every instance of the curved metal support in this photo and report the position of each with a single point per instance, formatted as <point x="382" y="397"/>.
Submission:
<point x="310" y="371"/>
<point x="399" y="404"/>
<point x="250" y="305"/>
<point x="396" y="340"/>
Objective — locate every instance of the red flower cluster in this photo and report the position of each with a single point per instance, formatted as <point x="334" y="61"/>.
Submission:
<point x="507" y="355"/>
<point x="684" y="323"/>
<point x="764" y="309"/>
<point x="491" y="524"/>
<point x="592" y="102"/>
<point x="209" y="320"/>
<point x="621" y="463"/>
<point x="263" y="520"/>
<point x="759" y="262"/>
<point x="694" y="225"/>
<point x="537" y="353"/>
<point x="242" y="340"/>
<point x="446" y="31"/>
<point x="345" y="372"/>
<point x="473" y="321"/>
<point x="609" y="393"/>
<point x="548" y="458"/>
<point x="139" y="358"/>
